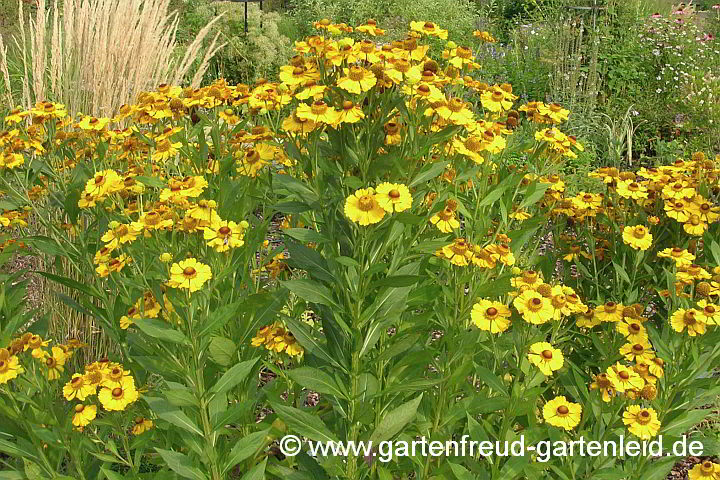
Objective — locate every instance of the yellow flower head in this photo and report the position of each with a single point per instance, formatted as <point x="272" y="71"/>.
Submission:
<point x="363" y="207"/>
<point x="10" y="368"/>
<point x="533" y="307"/>
<point x="189" y="274"/>
<point x="141" y="425"/>
<point x="706" y="470"/>
<point x="223" y="235"/>
<point x="623" y="378"/>
<point x="357" y="80"/>
<point x="119" y="397"/>
<point x="545" y="357"/>
<point x="641" y="422"/>
<point x="493" y="317"/>
<point x="78" y="388"/>
<point x="393" y="197"/>
<point x="638" y="237"/>
<point x="84" y="414"/>
<point x="689" y="319"/>
<point x="559" y="412"/>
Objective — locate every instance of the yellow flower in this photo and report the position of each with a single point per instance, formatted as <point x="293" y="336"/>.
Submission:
<point x="357" y="80"/>
<point x="350" y="113"/>
<point x="223" y="235"/>
<point x="119" y="234"/>
<point x="459" y="252"/>
<point x="445" y="219"/>
<point x="706" y="470"/>
<point x="633" y="330"/>
<point x="493" y="317"/>
<point x="690" y="319"/>
<point x="559" y="412"/>
<point x="78" y="388"/>
<point x="370" y="27"/>
<point x="695" y="226"/>
<point x="393" y="197"/>
<point x="142" y="425"/>
<point x="363" y="207"/>
<point x="623" y="378"/>
<point x="10" y="368"/>
<point x="641" y="422"/>
<point x="455" y="111"/>
<point x="166" y="257"/>
<point x="681" y="257"/>
<point x="430" y="29"/>
<point x="93" y="123"/>
<point x="638" y="237"/>
<point x="631" y="189"/>
<point x="496" y="99"/>
<point x="602" y="382"/>
<point x="189" y="274"/>
<point x="118" y="398"/>
<point x="640" y="352"/>
<point x="708" y="313"/>
<point x="55" y="363"/>
<point x="533" y="307"/>
<point x="84" y="414"/>
<point x="609" y="312"/>
<point x="545" y="357"/>
<point x="101" y="185"/>
<point x="318" y="112"/>
<point x="165" y="150"/>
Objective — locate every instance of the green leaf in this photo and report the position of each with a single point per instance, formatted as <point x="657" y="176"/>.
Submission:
<point x="153" y="182"/>
<point x="245" y="448"/>
<point x="222" y="351"/>
<point x="219" y="317"/>
<point x="180" y="419"/>
<point x="304" y="423"/>
<point x="110" y="475"/>
<point x="316" y="380"/>
<point x="181" y="464"/>
<point x="161" y="330"/>
<point x="393" y="422"/>
<point x="235" y="375"/>
<point x="685" y="421"/>
<point x="460" y="472"/>
<point x="72" y="284"/>
<point x="310" y="261"/>
<point x="533" y="194"/>
<point x="257" y="472"/>
<point x="310" y="291"/>
<point x="491" y="380"/>
<point x="397" y="281"/>
<point x="305" y="235"/>
<point x="428" y="172"/>
<point x="12" y="475"/>
<point x="305" y="338"/>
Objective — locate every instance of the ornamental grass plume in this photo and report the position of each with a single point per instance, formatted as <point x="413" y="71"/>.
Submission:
<point x="101" y="54"/>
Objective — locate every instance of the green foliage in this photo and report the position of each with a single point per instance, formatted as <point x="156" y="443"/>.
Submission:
<point x="459" y="17"/>
<point x="246" y="56"/>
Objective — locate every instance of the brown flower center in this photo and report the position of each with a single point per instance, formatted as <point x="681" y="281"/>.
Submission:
<point x="117" y="392"/>
<point x="547" y="354"/>
<point x="624" y="375"/>
<point x="366" y="203"/>
<point x="79" y="408"/>
<point x="189" y="271"/>
<point x="491" y="312"/>
<point x="639" y="232"/>
<point x="563" y="410"/>
<point x="356" y="73"/>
